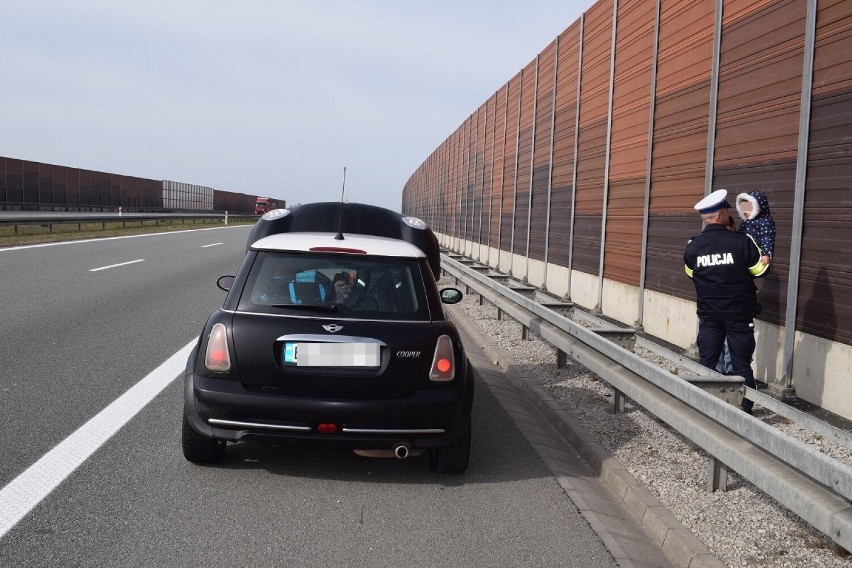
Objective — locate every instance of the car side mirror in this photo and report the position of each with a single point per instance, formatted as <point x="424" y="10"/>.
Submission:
<point x="225" y="282"/>
<point x="451" y="295"/>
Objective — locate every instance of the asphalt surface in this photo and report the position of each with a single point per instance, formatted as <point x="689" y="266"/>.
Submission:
<point x="74" y="340"/>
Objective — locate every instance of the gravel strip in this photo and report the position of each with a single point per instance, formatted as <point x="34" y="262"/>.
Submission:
<point x="741" y="526"/>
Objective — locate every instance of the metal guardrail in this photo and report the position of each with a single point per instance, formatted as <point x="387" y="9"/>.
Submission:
<point x="707" y="379"/>
<point x="809" y="483"/>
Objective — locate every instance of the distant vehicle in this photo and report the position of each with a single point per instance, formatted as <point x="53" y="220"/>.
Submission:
<point x="333" y="334"/>
<point x="266" y="204"/>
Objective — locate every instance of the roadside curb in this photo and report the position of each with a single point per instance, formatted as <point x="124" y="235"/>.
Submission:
<point x="678" y="543"/>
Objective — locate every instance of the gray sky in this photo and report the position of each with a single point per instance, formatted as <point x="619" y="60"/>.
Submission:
<point x="261" y="97"/>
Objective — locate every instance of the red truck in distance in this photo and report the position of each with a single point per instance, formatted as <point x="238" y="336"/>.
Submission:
<point x="265" y="204"/>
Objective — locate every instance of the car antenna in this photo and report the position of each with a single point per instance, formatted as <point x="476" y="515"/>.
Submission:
<point x="339" y="235"/>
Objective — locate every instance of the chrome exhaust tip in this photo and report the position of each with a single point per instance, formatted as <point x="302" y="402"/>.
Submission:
<point x="401" y="450"/>
<point x="386" y="453"/>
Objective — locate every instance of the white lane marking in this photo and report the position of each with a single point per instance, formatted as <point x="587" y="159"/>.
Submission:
<point x="212" y="245"/>
<point x="119" y="264"/>
<point x="62" y="243"/>
<point x="27" y="490"/>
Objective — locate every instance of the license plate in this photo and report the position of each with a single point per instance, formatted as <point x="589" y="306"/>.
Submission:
<point x="331" y="354"/>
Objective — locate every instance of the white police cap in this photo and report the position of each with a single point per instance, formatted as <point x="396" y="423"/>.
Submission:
<point x="713" y="202"/>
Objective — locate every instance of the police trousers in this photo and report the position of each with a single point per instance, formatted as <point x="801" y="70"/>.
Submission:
<point x="740" y="336"/>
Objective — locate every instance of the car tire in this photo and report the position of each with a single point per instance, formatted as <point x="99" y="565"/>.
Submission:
<point x="452" y="458"/>
<point x="198" y="448"/>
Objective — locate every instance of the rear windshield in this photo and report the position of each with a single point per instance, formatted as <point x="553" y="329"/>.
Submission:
<point x="337" y="285"/>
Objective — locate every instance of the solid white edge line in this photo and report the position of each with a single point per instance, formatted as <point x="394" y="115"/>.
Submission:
<point x="211" y="245"/>
<point x="116" y="265"/>
<point x="27" y="490"/>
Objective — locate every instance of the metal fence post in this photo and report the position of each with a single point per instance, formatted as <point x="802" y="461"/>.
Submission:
<point x="786" y="388"/>
<point x="502" y="178"/>
<point x="550" y="159"/>
<point x="639" y="325"/>
<point x="576" y="146"/>
<point x="515" y="182"/>
<point x="605" y="204"/>
<point x="532" y="166"/>
<point x="714" y="100"/>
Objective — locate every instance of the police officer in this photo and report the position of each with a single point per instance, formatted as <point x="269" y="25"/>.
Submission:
<point x="723" y="265"/>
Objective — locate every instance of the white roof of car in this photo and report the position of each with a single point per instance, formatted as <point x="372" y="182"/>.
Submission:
<point x="351" y="244"/>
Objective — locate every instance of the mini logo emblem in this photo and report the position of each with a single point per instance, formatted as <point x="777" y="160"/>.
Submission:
<point x="332" y="327"/>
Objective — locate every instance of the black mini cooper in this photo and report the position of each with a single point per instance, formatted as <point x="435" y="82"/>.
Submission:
<point x="333" y="338"/>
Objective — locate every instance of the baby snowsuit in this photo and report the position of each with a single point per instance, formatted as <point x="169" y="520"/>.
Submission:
<point x="758" y="223"/>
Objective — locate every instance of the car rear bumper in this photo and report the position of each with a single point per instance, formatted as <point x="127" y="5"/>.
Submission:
<point x="223" y="409"/>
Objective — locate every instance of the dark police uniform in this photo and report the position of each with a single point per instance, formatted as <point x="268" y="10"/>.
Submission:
<point x="723" y="265"/>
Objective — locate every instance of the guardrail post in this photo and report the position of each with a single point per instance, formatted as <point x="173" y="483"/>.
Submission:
<point x="718" y="478"/>
<point x="525" y="333"/>
<point x="561" y="359"/>
<point x="481" y="300"/>
<point x="617" y="401"/>
<point x="499" y="314"/>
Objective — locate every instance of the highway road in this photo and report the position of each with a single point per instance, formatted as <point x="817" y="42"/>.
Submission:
<point x="94" y="335"/>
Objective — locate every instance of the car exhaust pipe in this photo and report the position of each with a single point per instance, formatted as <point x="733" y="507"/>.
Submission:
<point x="401" y="450"/>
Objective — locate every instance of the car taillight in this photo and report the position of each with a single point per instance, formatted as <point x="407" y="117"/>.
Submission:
<point x="218" y="358"/>
<point x="443" y="367"/>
